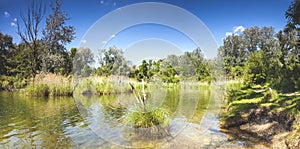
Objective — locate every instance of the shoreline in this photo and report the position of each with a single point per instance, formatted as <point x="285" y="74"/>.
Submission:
<point x="262" y="116"/>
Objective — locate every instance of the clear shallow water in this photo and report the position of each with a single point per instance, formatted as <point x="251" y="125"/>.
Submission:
<point x="90" y="122"/>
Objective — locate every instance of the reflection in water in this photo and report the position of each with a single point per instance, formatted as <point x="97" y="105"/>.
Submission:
<point x="39" y="122"/>
<point x="95" y="121"/>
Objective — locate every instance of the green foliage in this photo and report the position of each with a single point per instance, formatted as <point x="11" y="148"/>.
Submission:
<point x="61" y="90"/>
<point x="105" y="87"/>
<point x="168" y="74"/>
<point x="242" y="99"/>
<point x="5" y="46"/>
<point x="41" y="90"/>
<point x="141" y="118"/>
<point x="112" y="85"/>
<point x="112" y="62"/>
<point x="87" y="86"/>
<point x="44" y="90"/>
<point x="11" y="82"/>
<point x="56" y="34"/>
<point x="81" y="61"/>
<point x="20" y="84"/>
<point x="255" y="69"/>
<point x="5" y="84"/>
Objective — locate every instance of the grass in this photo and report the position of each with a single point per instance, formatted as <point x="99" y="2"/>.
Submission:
<point x="143" y="115"/>
<point x="41" y="90"/>
<point x="145" y="118"/>
<point x="105" y="87"/>
<point x="50" y="85"/>
<point x="61" y="90"/>
<point x="241" y="99"/>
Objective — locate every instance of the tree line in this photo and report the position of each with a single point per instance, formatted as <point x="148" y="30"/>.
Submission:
<point x="260" y="55"/>
<point x="172" y="69"/>
<point x="42" y="48"/>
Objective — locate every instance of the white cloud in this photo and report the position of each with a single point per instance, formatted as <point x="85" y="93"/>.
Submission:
<point x="104" y="42"/>
<point x="83" y="41"/>
<point x="13" y="24"/>
<point x="228" y="33"/>
<point x="15" y="20"/>
<point x="235" y="30"/>
<point x="238" y="28"/>
<point x="113" y="36"/>
<point x="102" y="2"/>
<point x="6" y="14"/>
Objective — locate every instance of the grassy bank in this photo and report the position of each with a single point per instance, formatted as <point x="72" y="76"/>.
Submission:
<point x="50" y="85"/>
<point x="262" y="112"/>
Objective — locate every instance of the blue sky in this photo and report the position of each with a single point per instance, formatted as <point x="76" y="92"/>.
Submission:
<point x="220" y="16"/>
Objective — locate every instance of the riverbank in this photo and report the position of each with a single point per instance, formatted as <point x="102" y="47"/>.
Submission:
<point x="263" y="115"/>
<point x="58" y="85"/>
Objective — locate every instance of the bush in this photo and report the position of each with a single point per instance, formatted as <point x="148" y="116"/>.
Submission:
<point x="284" y="85"/>
<point x="20" y="84"/>
<point x="5" y="84"/>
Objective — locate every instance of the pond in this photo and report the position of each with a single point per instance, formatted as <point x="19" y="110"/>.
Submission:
<point x="90" y="121"/>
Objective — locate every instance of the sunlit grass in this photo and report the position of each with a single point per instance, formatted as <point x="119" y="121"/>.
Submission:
<point x="41" y="90"/>
<point x="242" y="99"/>
<point x="141" y="117"/>
<point x="50" y="85"/>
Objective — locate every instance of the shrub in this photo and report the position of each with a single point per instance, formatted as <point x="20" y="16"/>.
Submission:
<point x="20" y="84"/>
<point x="5" y="84"/>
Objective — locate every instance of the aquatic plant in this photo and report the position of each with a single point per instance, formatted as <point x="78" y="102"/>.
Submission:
<point x="143" y="115"/>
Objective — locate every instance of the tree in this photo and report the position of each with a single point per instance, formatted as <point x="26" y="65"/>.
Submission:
<point x="237" y="48"/>
<point x="56" y="36"/>
<point x="185" y="66"/>
<point x="20" y="62"/>
<point x="112" y="61"/>
<point x="81" y="61"/>
<point x="234" y="55"/>
<point x="255" y="69"/>
<point x="293" y="15"/>
<point x="168" y="73"/>
<point x="5" y="45"/>
<point x="288" y="77"/>
<point x="29" y="34"/>
<point x="143" y="71"/>
<point x="251" y="38"/>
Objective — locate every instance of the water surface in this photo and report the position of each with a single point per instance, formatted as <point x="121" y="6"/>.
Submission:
<point x="91" y="122"/>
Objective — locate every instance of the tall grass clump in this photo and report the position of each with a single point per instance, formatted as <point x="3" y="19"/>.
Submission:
<point x="145" y="116"/>
<point x="86" y="87"/>
<point x="112" y="85"/>
<point x="61" y="90"/>
<point x="141" y="117"/>
<point x="104" y="87"/>
<point x="41" y="90"/>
